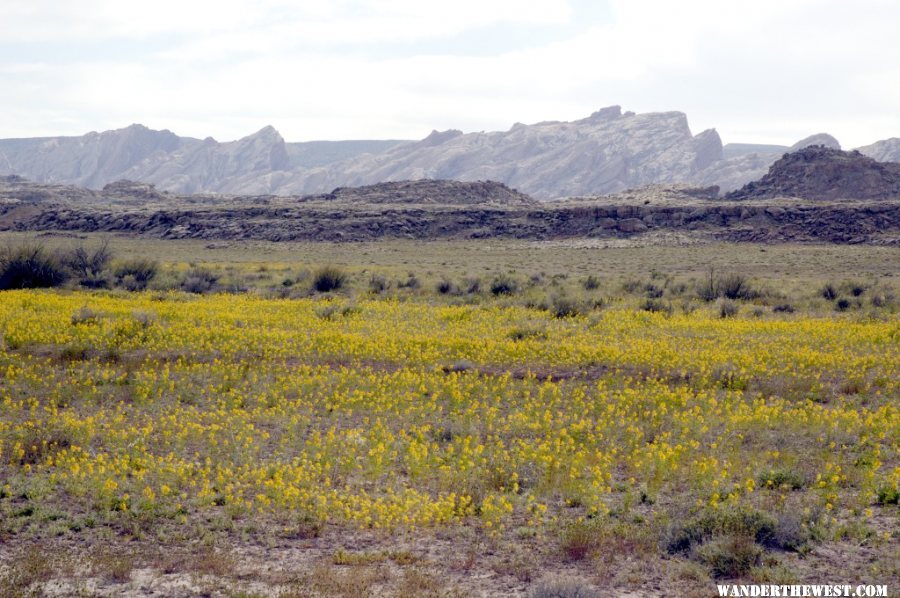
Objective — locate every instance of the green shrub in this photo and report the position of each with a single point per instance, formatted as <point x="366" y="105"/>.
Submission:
<point x="729" y="286"/>
<point x="888" y="495"/>
<point x="781" y="479"/>
<point x="829" y="292"/>
<point x="735" y="286"/>
<point x="30" y="266"/>
<point x="728" y="309"/>
<point x="503" y="285"/>
<point x="565" y="307"/>
<point x="731" y="556"/>
<point x="651" y="291"/>
<point x="857" y="289"/>
<point x="591" y="283"/>
<point x="578" y="540"/>
<point x="134" y="275"/>
<point x="632" y="286"/>
<point x="88" y="264"/>
<point x="473" y="285"/>
<point x="328" y="278"/>
<point x="199" y="281"/>
<point x="412" y="282"/>
<point x="787" y="531"/>
<point x="378" y="284"/>
<point x="656" y="306"/>
<point x="445" y="287"/>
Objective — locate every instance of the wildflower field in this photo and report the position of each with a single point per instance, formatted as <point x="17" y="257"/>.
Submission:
<point x="406" y="442"/>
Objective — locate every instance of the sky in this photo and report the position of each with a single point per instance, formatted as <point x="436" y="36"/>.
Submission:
<point x="766" y="71"/>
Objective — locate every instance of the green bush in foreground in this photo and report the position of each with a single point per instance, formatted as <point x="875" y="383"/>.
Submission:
<point x="30" y="266"/>
<point x="328" y="278"/>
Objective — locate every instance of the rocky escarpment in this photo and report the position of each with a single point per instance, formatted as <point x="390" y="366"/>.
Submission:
<point x="428" y="191"/>
<point x="858" y="222"/>
<point x="822" y="173"/>
<point x="432" y="210"/>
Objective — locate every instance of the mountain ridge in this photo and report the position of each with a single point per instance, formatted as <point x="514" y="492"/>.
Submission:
<point x="606" y="152"/>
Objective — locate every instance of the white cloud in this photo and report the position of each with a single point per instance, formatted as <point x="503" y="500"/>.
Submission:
<point x="360" y="21"/>
<point x="764" y="71"/>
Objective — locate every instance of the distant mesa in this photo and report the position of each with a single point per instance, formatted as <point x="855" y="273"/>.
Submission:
<point x="607" y="152"/>
<point x="823" y="173"/>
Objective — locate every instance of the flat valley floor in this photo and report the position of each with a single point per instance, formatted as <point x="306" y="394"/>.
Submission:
<point x="575" y="418"/>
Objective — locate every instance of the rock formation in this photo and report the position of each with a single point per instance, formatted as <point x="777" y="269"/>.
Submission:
<point x="444" y="210"/>
<point x="428" y="191"/>
<point x="825" y="174"/>
<point x="886" y="150"/>
<point x="749" y="162"/>
<point x="607" y="152"/>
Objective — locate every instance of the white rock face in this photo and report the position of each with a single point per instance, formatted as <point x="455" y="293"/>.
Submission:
<point x="213" y="166"/>
<point x="89" y="161"/>
<point x="886" y="150"/>
<point x="607" y="152"/>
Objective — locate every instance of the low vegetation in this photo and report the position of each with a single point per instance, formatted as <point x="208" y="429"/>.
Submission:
<point x="553" y="436"/>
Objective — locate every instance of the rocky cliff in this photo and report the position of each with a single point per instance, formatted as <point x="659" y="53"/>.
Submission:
<point x="607" y="152"/>
<point x="886" y="150"/>
<point x="750" y="162"/>
<point x="91" y="160"/>
<point x="824" y="174"/>
<point x="442" y="210"/>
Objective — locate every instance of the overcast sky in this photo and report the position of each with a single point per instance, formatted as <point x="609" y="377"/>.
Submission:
<point x="766" y="71"/>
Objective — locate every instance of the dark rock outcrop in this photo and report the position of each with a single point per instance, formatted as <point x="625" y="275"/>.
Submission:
<point x="821" y="173"/>
<point x="447" y="210"/>
<point x="131" y="189"/>
<point x="428" y="191"/>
